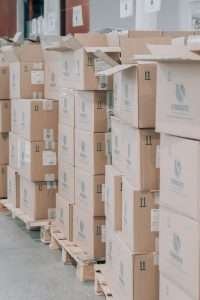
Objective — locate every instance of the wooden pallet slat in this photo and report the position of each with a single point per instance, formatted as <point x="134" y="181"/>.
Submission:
<point x="73" y="254"/>
<point x="101" y="285"/>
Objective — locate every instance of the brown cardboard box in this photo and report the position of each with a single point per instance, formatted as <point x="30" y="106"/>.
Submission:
<point x="113" y="198"/>
<point x="5" y="112"/>
<point x="91" y="111"/>
<point x="64" y="217"/>
<point x="14" y="116"/>
<point x="3" y="181"/>
<point x="80" y="61"/>
<point x="13" y="187"/>
<point x="135" y="275"/>
<point x="38" y="120"/>
<point x="37" y="199"/>
<point x="179" y="161"/>
<point x="88" y="233"/>
<point x="66" y="144"/>
<point x="14" y="151"/>
<point x="66" y="183"/>
<point x="38" y="163"/>
<point x="168" y="290"/>
<point x="141" y="158"/>
<point x="67" y="107"/>
<point x="26" y="71"/>
<point x="4" y="146"/>
<point x="140" y="219"/>
<point x="135" y="154"/>
<point x="52" y="75"/>
<point x="136" y="89"/>
<point x="90" y="151"/>
<point x="179" y="251"/>
<point x="4" y="78"/>
<point x="88" y="192"/>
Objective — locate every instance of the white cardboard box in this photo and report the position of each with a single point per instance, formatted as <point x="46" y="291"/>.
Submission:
<point x="180" y="173"/>
<point x="179" y="251"/>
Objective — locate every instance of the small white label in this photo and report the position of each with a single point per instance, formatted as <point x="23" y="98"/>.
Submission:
<point x="49" y="177"/>
<point x="37" y="77"/>
<point x="27" y="152"/>
<point x="49" y="158"/>
<point x="155" y="220"/>
<point x="152" y="6"/>
<point x="77" y="19"/>
<point x="158" y="156"/>
<point x="51" y="22"/>
<point x="103" y="233"/>
<point x="47" y="105"/>
<point x="100" y="65"/>
<point x="126" y="8"/>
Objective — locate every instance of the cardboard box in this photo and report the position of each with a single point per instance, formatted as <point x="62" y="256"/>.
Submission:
<point x="15" y="116"/>
<point x="83" y="56"/>
<point x="4" y="146"/>
<point x="90" y="152"/>
<point x="67" y="107"/>
<point x="169" y="291"/>
<point x="140" y="219"/>
<point x="52" y="75"/>
<point x="4" y="78"/>
<point x="88" y="233"/>
<point x="110" y="253"/>
<point x="38" y="163"/>
<point x="3" y="181"/>
<point x="91" y="111"/>
<point x="26" y="71"/>
<point x="66" y="144"/>
<point x="136" y="87"/>
<point x="180" y="173"/>
<point x="88" y="192"/>
<point x="14" y="151"/>
<point x="179" y="251"/>
<point x="37" y="199"/>
<point x="66" y="183"/>
<point x="64" y="217"/>
<point x="133" y="272"/>
<point x="135" y="152"/>
<point x="38" y="120"/>
<point x="13" y="187"/>
<point x="113" y="198"/>
<point x="117" y="93"/>
<point x="5" y="112"/>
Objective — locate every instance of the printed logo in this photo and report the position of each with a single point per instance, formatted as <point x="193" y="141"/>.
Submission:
<point x="180" y="106"/>
<point x="177" y="168"/>
<point x="176" y="248"/>
<point x="176" y="181"/>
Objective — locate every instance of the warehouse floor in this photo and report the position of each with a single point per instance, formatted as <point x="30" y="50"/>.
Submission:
<point x="29" y="270"/>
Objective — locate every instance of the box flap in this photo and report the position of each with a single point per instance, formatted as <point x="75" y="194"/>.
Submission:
<point x="115" y="69"/>
<point x="28" y="52"/>
<point x="106" y="58"/>
<point x="169" y="53"/>
<point x="102" y="49"/>
<point x="61" y="43"/>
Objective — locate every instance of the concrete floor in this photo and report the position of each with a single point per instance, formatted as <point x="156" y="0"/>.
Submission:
<point x="29" y="270"/>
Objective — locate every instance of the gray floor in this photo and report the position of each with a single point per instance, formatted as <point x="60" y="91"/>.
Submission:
<point x="30" y="271"/>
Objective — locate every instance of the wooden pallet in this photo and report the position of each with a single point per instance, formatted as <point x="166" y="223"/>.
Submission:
<point x="73" y="255"/>
<point x="18" y="213"/>
<point x="101" y="285"/>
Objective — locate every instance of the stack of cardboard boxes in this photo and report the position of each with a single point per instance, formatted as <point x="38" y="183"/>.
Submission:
<point x="178" y="121"/>
<point x="4" y="124"/>
<point x="82" y="129"/>
<point x="132" y="184"/>
<point x="32" y="173"/>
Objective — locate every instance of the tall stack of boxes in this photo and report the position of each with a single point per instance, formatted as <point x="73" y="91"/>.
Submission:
<point x="4" y="124"/>
<point x="132" y="184"/>
<point x="178" y="122"/>
<point x="82" y="129"/>
<point x="33" y="139"/>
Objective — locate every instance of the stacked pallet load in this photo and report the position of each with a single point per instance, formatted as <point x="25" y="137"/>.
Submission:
<point x="178" y="122"/>
<point x="82" y="131"/>
<point x="132" y="180"/>
<point x="5" y="124"/>
<point x="33" y="171"/>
